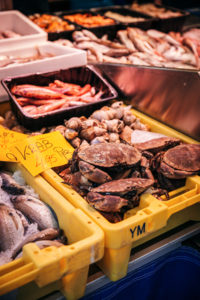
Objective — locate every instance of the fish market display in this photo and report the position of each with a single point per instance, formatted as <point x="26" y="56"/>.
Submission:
<point x="122" y="18"/>
<point x="37" y="100"/>
<point x="24" y="219"/>
<point x="139" y="47"/>
<point x="6" y="60"/>
<point x="89" y="20"/>
<point x="109" y="124"/>
<point x="51" y="23"/>
<point x="100" y="172"/>
<point x="6" y="34"/>
<point x="112" y="176"/>
<point x="155" y="11"/>
<point x="117" y="158"/>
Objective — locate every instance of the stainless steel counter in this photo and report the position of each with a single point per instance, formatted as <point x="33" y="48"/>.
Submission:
<point x="171" y="96"/>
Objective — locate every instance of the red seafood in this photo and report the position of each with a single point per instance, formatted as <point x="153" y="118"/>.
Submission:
<point x="24" y="101"/>
<point x="42" y="99"/>
<point x="51" y="23"/>
<point x="69" y="88"/>
<point x="42" y="109"/>
<point x="89" y="20"/>
<point x="34" y="91"/>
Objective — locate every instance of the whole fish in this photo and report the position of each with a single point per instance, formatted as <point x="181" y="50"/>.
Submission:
<point x="46" y="234"/>
<point x="11" y="228"/>
<point x="123" y="36"/>
<point x="10" y="34"/>
<point x="9" y="185"/>
<point x="33" y="91"/>
<point x="5" y="198"/>
<point x="35" y="210"/>
<point x="5" y="257"/>
<point x="43" y="244"/>
<point x="24" y="221"/>
<point x="46" y="243"/>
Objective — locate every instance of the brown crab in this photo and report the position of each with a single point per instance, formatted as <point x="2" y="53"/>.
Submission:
<point x="178" y="162"/>
<point x="113" y="195"/>
<point x="148" y="143"/>
<point x="110" y="155"/>
<point x="95" y="163"/>
<point x="157" y="145"/>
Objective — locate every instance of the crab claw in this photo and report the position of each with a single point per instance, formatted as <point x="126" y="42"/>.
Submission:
<point x="125" y="186"/>
<point x="77" y="180"/>
<point x="156" y="145"/>
<point x="106" y="203"/>
<point x="112" y="217"/>
<point x="93" y="174"/>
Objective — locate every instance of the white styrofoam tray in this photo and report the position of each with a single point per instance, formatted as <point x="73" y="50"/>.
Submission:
<point x="19" y="23"/>
<point x="65" y="57"/>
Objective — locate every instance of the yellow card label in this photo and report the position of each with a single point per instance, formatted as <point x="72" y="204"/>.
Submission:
<point x="7" y="139"/>
<point x="41" y="152"/>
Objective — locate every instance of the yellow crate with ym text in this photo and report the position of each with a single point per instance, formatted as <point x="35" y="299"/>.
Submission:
<point x="149" y="217"/>
<point x="64" y="268"/>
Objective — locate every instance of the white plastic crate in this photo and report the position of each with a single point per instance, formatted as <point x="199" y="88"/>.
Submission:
<point x="64" y="57"/>
<point x="19" y="23"/>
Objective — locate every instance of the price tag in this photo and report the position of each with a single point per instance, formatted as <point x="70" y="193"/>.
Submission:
<point x="7" y="139"/>
<point x="41" y="152"/>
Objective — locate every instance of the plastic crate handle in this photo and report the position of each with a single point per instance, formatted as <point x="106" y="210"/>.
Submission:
<point x="16" y="274"/>
<point x="184" y="197"/>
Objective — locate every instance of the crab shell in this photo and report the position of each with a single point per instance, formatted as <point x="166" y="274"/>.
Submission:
<point x="157" y="145"/>
<point x="123" y="186"/>
<point x="181" y="161"/>
<point x="106" y="203"/>
<point x="110" y="155"/>
<point x="93" y="174"/>
<point x="112" y="217"/>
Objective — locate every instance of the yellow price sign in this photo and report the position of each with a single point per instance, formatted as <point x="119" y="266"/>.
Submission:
<point x="41" y="152"/>
<point x="7" y="139"/>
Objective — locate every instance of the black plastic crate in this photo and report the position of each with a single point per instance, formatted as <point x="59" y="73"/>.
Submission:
<point x="98" y="30"/>
<point x="145" y="24"/>
<point x="80" y="75"/>
<point x="169" y="24"/>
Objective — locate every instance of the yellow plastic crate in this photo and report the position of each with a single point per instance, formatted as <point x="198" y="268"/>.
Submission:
<point x="67" y="265"/>
<point x="151" y="215"/>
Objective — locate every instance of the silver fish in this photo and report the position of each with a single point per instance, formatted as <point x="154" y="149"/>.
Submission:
<point x="46" y="234"/>
<point x="23" y="219"/>
<point x="10" y="34"/>
<point x="123" y="36"/>
<point x="9" y="185"/>
<point x="46" y="243"/>
<point x="42" y="244"/>
<point x="89" y="34"/>
<point x="5" y="257"/>
<point x="35" y="210"/>
<point x="5" y="198"/>
<point x="11" y="228"/>
<point x="117" y="52"/>
<point x="79" y="36"/>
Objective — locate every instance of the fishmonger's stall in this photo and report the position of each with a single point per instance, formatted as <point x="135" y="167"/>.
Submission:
<point x="99" y="150"/>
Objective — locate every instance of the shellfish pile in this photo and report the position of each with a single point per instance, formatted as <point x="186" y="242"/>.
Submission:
<point x="117" y="158"/>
